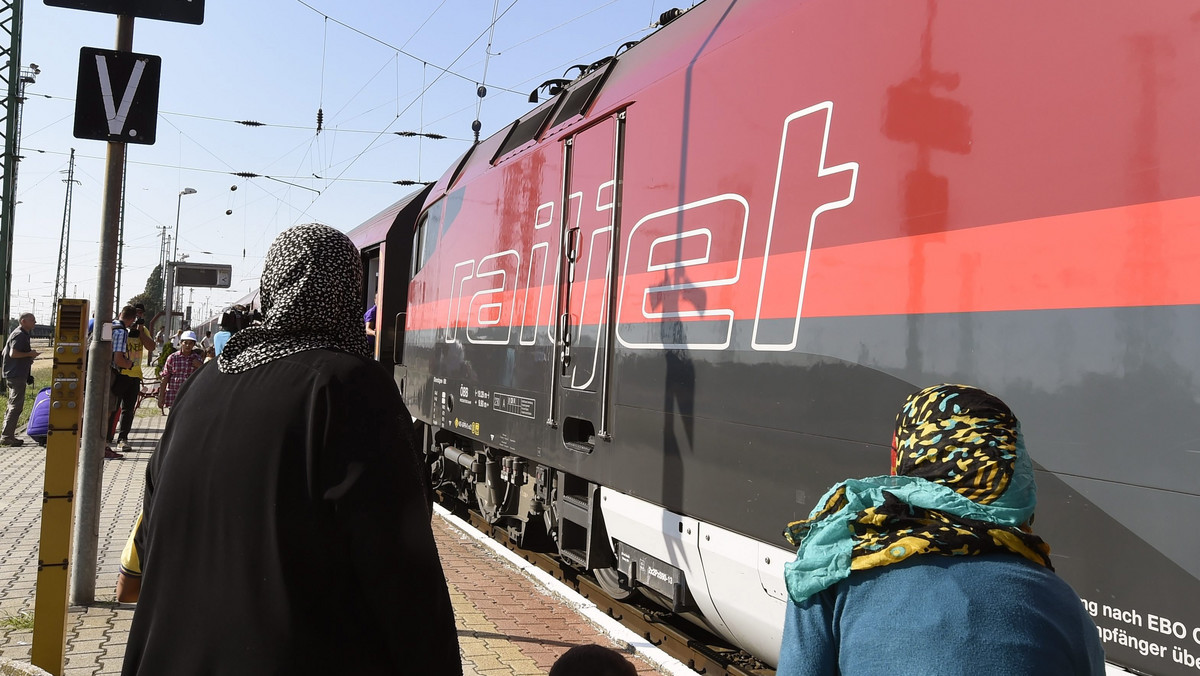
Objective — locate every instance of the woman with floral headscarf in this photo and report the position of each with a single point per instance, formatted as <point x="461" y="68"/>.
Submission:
<point x="934" y="569"/>
<point x="286" y="524"/>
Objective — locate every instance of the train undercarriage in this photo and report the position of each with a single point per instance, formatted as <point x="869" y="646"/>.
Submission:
<point x="547" y="510"/>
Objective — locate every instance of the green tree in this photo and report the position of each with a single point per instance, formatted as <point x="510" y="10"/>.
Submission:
<point x="152" y="296"/>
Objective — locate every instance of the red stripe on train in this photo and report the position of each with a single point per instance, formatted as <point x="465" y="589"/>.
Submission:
<point x="1144" y="254"/>
<point x="1139" y="255"/>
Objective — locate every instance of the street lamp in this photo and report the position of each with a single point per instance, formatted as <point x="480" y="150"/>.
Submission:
<point x="185" y="191"/>
<point x="169" y="275"/>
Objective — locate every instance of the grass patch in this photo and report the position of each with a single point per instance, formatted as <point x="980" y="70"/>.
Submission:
<point x="21" y="621"/>
<point x="42" y="371"/>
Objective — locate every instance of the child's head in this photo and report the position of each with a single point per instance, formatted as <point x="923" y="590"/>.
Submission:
<point x="592" y="660"/>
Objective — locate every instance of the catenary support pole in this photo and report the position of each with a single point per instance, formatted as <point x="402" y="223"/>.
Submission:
<point x="10" y="115"/>
<point x="95" y="406"/>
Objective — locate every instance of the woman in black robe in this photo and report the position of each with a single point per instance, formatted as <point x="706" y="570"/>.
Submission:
<point x="286" y="525"/>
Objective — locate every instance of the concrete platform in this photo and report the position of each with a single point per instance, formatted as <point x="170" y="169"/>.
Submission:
<point x="508" y="622"/>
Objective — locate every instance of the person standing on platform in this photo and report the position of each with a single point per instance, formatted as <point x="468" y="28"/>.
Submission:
<point x="224" y="334"/>
<point x="152" y="355"/>
<point x="178" y="368"/>
<point x="168" y="349"/>
<point x="146" y="336"/>
<point x="121" y="386"/>
<point x="369" y="323"/>
<point x="141" y="317"/>
<point x="17" y="363"/>
<point x="285" y="525"/>
<point x="128" y="386"/>
<point x="935" y="569"/>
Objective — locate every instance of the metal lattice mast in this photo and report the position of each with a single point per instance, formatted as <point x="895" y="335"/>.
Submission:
<point x="162" y="268"/>
<point x="64" y="241"/>
<point x="10" y="76"/>
<point x="121" y="237"/>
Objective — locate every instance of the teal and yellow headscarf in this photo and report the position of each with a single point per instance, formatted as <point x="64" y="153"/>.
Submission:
<point x="961" y="485"/>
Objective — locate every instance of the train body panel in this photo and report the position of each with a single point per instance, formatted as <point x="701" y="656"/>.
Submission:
<point x="709" y="288"/>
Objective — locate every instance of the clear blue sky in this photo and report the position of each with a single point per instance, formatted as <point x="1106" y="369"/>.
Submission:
<point x="278" y="62"/>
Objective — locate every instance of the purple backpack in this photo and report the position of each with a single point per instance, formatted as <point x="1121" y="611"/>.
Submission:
<point x="39" y="418"/>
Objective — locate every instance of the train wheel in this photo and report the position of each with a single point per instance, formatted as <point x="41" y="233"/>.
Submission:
<point x="610" y="581"/>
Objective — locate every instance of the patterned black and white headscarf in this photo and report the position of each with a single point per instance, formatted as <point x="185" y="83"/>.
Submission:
<point x="311" y="287"/>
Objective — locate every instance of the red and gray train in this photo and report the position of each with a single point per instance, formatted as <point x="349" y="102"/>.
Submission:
<point x="650" y="322"/>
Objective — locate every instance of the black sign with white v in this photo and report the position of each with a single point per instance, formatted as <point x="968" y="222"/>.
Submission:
<point x="116" y="98"/>
<point x="185" y="11"/>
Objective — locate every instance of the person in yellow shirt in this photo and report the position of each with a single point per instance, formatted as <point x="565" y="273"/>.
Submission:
<point x="127" y="384"/>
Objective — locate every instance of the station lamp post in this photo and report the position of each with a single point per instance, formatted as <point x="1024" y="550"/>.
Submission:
<point x="168" y="275"/>
<point x="185" y="191"/>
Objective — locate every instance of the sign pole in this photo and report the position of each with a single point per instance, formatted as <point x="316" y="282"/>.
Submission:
<point x="96" y="404"/>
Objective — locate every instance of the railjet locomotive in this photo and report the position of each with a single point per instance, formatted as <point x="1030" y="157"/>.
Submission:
<point x="653" y="320"/>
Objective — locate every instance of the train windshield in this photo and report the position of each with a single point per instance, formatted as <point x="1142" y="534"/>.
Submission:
<point x="425" y="236"/>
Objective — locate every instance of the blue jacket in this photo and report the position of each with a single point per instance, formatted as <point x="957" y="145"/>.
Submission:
<point x="935" y="615"/>
<point x="219" y="340"/>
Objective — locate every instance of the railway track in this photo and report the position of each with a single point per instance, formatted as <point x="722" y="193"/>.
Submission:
<point x="700" y="651"/>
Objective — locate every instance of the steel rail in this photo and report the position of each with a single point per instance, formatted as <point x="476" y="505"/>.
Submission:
<point x="703" y="653"/>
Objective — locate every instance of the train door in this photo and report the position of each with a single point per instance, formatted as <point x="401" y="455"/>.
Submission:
<point x="591" y="194"/>
<point x="372" y="266"/>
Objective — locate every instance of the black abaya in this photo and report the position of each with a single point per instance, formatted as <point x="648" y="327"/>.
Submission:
<point x="287" y="530"/>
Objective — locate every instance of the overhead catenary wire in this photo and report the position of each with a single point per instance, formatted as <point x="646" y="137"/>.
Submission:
<point x="559" y="26"/>
<point x="421" y="118"/>
<point x="200" y="169"/>
<point x="281" y="171"/>
<point x="421" y="94"/>
<point x="250" y="123"/>
<point x="487" y="59"/>
<point x="398" y="50"/>
<point x="197" y="143"/>
<point x="445" y="70"/>
<point x="424" y="23"/>
<point x="258" y="124"/>
<point x="232" y="162"/>
<point x="321" y="98"/>
<point x="391" y="61"/>
<point x="214" y="155"/>
<point x="48" y="175"/>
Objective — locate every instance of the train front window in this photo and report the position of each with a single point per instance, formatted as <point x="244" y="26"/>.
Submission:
<point x="425" y="235"/>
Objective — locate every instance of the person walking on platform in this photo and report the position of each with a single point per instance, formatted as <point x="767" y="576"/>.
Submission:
<point x="935" y="569"/>
<point x="178" y="368"/>
<point x="17" y="363"/>
<point x="152" y="355"/>
<point x="285" y="526"/>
